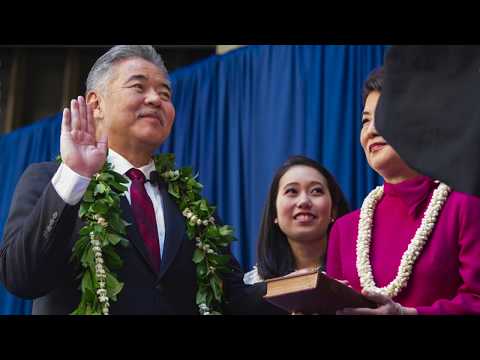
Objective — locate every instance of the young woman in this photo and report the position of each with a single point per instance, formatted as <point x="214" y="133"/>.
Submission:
<point x="303" y="202"/>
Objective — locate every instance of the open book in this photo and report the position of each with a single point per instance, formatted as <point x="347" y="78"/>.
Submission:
<point x="313" y="292"/>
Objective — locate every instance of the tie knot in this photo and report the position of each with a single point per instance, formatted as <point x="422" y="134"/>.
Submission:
<point x="136" y="175"/>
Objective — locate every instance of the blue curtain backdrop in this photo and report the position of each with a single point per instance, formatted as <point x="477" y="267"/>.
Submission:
<point x="239" y="116"/>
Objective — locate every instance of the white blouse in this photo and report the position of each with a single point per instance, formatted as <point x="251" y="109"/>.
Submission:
<point x="252" y="277"/>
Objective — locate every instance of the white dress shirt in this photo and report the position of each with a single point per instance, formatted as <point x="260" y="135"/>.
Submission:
<point x="71" y="187"/>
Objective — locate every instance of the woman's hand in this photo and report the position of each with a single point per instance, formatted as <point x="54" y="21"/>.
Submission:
<point x="386" y="307"/>
<point x="344" y="282"/>
<point x="299" y="272"/>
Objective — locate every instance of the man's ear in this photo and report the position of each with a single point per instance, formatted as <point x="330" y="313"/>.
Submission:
<point x="94" y="99"/>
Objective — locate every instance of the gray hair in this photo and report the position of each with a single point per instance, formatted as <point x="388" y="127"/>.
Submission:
<point x="102" y="68"/>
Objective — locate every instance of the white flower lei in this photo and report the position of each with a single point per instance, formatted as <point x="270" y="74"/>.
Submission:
<point x="416" y="245"/>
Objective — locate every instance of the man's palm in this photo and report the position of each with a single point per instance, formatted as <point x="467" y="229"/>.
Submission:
<point x="79" y="147"/>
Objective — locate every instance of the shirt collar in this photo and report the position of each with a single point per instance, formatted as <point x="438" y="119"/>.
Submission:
<point x="412" y="192"/>
<point x="122" y="165"/>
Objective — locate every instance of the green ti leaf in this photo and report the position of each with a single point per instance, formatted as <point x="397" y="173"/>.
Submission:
<point x="80" y="246"/>
<point x="99" y="189"/>
<point x="117" y="178"/>
<point x="226" y="231"/>
<point x="201" y="297"/>
<point x="204" y="206"/>
<point x="88" y="287"/>
<point x="220" y="259"/>
<point x="99" y="207"/>
<point x="88" y="197"/>
<point x="85" y="231"/>
<point x="212" y="232"/>
<point x="106" y="177"/>
<point x="113" y="239"/>
<point x="215" y="284"/>
<point x="198" y="256"/>
<point x="113" y="287"/>
<point x="201" y="269"/>
<point x="88" y="258"/>
<point x="83" y="210"/>
<point x="174" y="190"/>
<point x="116" y="223"/>
<point x="111" y="258"/>
<point x="119" y="187"/>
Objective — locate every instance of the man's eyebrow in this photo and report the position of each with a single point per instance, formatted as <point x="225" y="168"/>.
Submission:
<point x="136" y="77"/>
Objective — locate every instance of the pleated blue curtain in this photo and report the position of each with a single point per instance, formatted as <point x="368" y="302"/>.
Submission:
<point x="241" y="115"/>
<point x="238" y="118"/>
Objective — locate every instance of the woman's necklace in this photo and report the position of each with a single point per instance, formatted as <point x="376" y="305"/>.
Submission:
<point x="364" y="267"/>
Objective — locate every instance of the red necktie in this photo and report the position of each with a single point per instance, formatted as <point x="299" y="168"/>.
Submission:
<point x="144" y="215"/>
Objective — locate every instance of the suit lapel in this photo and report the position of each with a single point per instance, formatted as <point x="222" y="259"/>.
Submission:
<point x="133" y="234"/>
<point x="174" y="229"/>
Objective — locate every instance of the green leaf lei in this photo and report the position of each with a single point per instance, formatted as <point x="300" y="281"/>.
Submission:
<point x="104" y="230"/>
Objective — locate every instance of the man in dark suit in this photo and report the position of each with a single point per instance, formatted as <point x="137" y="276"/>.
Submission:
<point x="126" y="114"/>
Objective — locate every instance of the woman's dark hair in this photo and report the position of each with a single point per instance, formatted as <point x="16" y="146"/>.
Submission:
<point x="374" y="82"/>
<point x="274" y="256"/>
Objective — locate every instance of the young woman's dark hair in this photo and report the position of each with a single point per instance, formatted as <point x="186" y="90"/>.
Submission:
<point x="274" y="256"/>
<point x="374" y="82"/>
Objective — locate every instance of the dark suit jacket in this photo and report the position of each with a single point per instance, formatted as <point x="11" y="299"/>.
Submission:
<point x="39" y="236"/>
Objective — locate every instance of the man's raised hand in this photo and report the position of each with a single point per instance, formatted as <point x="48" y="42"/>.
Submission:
<point x="79" y="147"/>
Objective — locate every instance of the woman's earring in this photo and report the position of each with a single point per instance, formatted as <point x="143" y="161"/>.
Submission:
<point x="275" y="221"/>
<point x="332" y="220"/>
